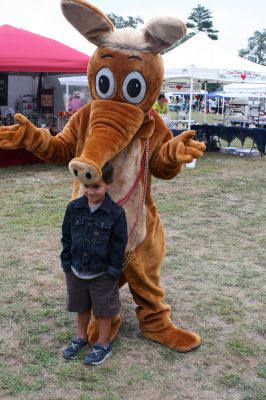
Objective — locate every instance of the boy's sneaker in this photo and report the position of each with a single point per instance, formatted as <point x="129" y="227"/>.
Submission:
<point x="98" y="354"/>
<point x="76" y="345"/>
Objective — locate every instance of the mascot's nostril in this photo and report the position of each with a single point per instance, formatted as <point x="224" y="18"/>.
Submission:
<point x="88" y="175"/>
<point x="75" y="172"/>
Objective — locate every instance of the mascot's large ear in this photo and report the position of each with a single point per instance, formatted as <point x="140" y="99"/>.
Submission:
<point x="163" y="32"/>
<point x="87" y="19"/>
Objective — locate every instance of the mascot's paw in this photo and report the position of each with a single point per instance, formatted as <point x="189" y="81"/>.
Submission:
<point x="11" y="137"/>
<point x="93" y="329"/>
<point x="176" y="339"/>
<point x="183" y="149"/>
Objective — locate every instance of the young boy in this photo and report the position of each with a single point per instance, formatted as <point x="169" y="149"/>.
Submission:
<point x="94" y="238"/>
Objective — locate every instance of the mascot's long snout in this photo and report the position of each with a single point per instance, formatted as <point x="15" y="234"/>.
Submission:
<point x="112" y="126"/>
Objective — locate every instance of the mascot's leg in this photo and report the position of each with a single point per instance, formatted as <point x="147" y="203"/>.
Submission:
<point x="143" y="277"/>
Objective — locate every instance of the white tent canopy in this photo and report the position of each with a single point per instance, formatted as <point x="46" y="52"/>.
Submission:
<point x="248" y="88"/>
<point x="234" y="94"/>
<point x="81" y="80"/>
<point x="201" y="58"/>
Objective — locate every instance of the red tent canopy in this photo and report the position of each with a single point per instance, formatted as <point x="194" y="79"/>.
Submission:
<point x="23" y="51"/>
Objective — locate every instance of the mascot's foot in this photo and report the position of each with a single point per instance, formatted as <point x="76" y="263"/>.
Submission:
<point x="93" y="329"/>
<point x="176" y="339"/>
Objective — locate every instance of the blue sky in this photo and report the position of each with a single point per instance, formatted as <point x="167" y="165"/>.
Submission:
<point x="236" y="20"/>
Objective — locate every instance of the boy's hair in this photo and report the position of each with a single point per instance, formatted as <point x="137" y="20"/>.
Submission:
<point x="107" y="173"/>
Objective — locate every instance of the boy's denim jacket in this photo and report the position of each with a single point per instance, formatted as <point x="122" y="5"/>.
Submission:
<point x="95" y="241"/>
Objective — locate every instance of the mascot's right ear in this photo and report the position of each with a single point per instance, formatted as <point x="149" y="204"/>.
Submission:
<point x="87" y="19"/>
<point x="163" y="32"/>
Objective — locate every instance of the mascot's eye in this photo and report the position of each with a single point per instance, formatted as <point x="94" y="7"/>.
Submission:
<point x="134" y="87"/>
<point x="105" y="83"/>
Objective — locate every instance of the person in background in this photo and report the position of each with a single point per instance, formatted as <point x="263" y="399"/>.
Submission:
<point x="213" y="105"/>
<point x="208" y="105"/>
<point x="161" y="105"/>
<point x="75" y="103"/>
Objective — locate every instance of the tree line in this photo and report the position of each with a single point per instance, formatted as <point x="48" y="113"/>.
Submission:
<point x="201" y="20"/>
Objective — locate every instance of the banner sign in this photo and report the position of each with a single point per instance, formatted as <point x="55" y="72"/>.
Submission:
<point x="242" y="76"/>
<point x="184" y="87"/>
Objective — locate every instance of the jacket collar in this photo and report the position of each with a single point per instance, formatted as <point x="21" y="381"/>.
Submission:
<point x="106" y="205"/>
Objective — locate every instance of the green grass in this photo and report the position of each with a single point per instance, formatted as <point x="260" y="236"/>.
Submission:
<point x="231" y="381"/>
<point x="213" y="275"/>
<point x="228" y="309"/>
<point x="243" y="347"/>
<point x="261" y="370"/>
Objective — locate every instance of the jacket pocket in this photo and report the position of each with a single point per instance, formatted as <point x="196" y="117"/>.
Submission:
<point x="102" y="231"/>
<point x="101" y="240"/>
<point x="77" y="227"/>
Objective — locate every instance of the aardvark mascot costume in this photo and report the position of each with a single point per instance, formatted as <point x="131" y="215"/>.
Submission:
<point x="125" y="75"/>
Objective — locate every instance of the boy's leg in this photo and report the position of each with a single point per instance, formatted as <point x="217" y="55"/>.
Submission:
<point x="102" y="349"/>
<point x="78" y="301"/>
<point x="83" y="320"/>
<point x="78" y="343"/>
<point x="93" y="329"/>
<point x="105" y="304"/>
<point x="104" y="330"/>
<point x="104" y="294"/>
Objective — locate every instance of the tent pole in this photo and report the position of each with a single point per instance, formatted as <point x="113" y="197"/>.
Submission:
<point x="190" y="102"/>
<point x="205" y="102"/>
<point x="67" y="97"/>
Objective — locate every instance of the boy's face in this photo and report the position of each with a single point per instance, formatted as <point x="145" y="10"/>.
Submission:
<point x="95" y="193"/>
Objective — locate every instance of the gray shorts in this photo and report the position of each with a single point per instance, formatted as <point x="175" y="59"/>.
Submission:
<point x="100" y="294"/>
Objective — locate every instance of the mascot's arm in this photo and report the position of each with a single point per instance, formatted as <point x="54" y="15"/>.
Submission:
<point x="39" y="141"/>
<point x="170" y="153"/>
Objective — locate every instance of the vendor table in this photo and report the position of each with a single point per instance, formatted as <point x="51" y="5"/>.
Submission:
<point x="18" y="157"/>
<point x="229" y="133"/>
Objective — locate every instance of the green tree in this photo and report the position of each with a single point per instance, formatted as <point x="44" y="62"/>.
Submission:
<point x="120" y="22"/>
<point x="256" y="49"/>
<point x="200" y="19"/>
